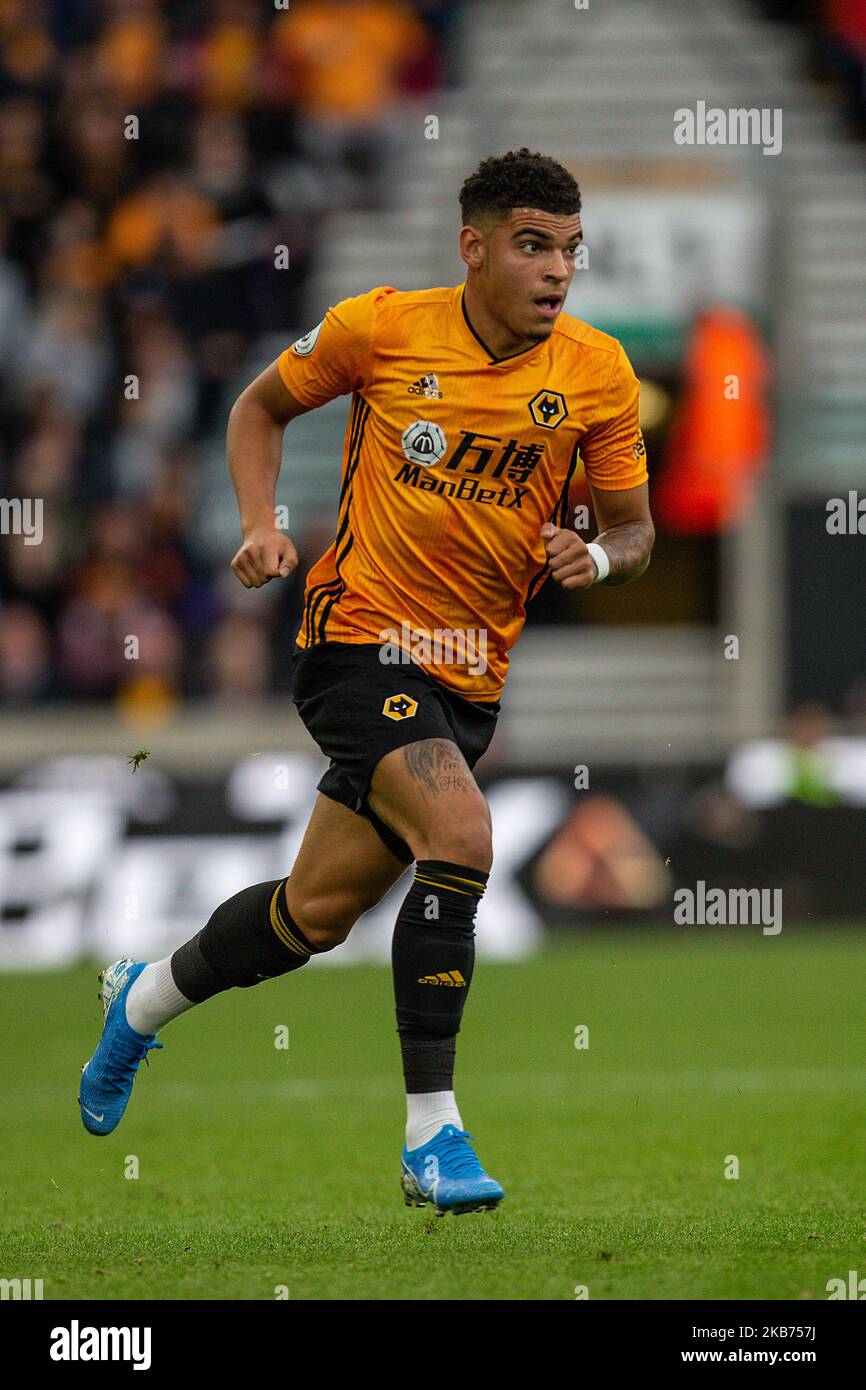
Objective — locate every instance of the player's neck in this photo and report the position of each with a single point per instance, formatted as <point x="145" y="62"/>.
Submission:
<point x="495" y="336"/>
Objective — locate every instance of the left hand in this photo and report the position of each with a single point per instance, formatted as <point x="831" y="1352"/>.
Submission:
<point x="571" y="564"/>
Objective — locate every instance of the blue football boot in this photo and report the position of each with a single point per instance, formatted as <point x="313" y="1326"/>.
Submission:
<point x="106" y="1080"/>
<point x="446" y="1172"/>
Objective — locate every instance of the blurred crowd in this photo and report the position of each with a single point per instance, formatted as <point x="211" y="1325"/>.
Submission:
<point x="154" y="154"/>
<point x="837" y="30"/>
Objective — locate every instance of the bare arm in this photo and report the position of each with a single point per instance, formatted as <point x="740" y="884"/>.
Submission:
<point x="626" y="531"/>
<point x="627" y="534"/>
<point x="254" y="442"/>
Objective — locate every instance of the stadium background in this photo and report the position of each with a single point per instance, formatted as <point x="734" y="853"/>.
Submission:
<point x="280" y="159"/>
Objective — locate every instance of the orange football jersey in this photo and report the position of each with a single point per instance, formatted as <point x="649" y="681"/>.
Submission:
<point x="453" y="461"/>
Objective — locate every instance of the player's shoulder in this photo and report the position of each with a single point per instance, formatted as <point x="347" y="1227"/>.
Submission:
<point x="390" y="304"/>
<point x="573" y="335"/>
<point x="395" y="304"/>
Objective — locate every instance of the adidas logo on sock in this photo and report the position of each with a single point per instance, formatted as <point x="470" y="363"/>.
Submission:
<point x="427" y="385"/>
<point x="445" y="977"/>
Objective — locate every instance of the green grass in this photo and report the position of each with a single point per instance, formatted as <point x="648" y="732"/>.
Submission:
<point x="261" y="1167"/>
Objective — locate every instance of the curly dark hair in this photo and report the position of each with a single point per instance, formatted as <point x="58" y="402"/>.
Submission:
<point x="520" y="178"/>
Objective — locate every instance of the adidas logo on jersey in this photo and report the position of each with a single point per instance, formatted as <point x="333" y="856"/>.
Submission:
<point x="445" y="977"/>
<point x="427" y="385"/>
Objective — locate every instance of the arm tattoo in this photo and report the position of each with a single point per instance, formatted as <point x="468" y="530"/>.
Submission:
<point x="437" y="765"/>
<point x="629" y="547"/>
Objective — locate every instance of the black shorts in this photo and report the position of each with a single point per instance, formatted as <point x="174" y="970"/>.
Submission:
<point x="358" y="709"/>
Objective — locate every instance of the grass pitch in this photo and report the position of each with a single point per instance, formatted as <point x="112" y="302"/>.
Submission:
<point x="262" y="1169"/>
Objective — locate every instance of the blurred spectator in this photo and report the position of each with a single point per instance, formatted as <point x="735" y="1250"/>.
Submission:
<point x="14" y="306"/>
<point x="67" y="359"/>
<point x="150" y="684"/>
<point x="842" y="46"/>
<point x="239" y="660"/>
<point x="130" y="49"/>
<point x="440" y="63"/>
<point x="27" y="190"/>
<point x="25" y="654"/>
<point x="810" y="763"/>
<point x="154" y="157"/>
<point x="44" y="466"/>
<point x="158" y="409"/>
<point x="719" y="440"/>
<point x="228" y="56"/>
<point x="344" y="60"/>
<point x="164" y="224"/>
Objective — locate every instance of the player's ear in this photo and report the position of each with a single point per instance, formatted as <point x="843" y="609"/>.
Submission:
<point x="472" y="246"/>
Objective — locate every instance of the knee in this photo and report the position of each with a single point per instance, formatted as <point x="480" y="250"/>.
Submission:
<point x="326" y="918"/>
<point x="469" y="843"/>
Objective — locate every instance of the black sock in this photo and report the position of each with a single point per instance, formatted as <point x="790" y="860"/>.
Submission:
<point x="432" y="956"/>
<point x="250" y="938"/>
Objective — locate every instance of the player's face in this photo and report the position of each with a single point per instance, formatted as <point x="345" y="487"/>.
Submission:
<point x="530" y="262"/>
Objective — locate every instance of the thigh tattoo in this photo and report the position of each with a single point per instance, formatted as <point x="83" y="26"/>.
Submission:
<point x="438" y="766"/>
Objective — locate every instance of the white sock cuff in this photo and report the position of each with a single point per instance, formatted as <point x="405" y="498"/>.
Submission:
<point x="426" y="1113"/>
<point x="154" y="999"/>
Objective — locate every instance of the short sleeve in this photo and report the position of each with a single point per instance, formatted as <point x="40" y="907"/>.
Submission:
<point x="612" y="450"/>
<point x="335" y="357"/>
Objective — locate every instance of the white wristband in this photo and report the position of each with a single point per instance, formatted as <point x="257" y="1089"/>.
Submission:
<point x="602" y="561"/>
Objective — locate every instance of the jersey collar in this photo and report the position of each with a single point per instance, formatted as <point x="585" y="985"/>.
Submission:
<point x="467" y="332"/>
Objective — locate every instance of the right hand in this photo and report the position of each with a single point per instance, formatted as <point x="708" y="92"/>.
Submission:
<point x="265" y="554"/>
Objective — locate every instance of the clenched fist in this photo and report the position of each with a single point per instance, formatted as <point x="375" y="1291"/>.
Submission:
<point x="571" y="564"/>
<point x="265" y="554"/>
